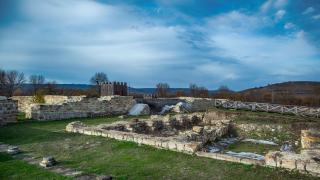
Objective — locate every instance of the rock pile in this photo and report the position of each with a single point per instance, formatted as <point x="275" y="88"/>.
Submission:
<point x="48" y="162"/>
<point x="13" y="150"/>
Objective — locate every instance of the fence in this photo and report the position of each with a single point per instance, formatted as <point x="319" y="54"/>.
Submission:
<point x="266" y="107"/>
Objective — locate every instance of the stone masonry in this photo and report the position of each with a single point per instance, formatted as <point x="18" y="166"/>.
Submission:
<point x="8" y="111"/>
<point x="25" y="102"/>
<point x="185" y="133"/>
<point x="308" y="161"/>
<point x="86" y="107"/>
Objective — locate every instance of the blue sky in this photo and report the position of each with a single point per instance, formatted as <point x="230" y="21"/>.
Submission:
<point x="238" y="43"/>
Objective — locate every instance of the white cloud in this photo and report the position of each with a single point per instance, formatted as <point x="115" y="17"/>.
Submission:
<point x="70" y="40"/>
<point x="316" y="17"/>
<point x="273" y="4"/>
<point x="308" y="10"/>
<point x="289" y="25"/>
<point x="91" y="36"/>
<point x="280" y="3"/>
<point x="218" y="70"/>
<point x="279" y="14"/>
<point x="237" y="21"/>
<point x="273" y="55"/>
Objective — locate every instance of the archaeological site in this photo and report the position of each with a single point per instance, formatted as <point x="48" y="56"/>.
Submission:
<point x="159" y="90"/>
<point x="253" y="134"/>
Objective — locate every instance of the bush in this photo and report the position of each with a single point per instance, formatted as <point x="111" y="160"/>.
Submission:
<point x="39" y="97"/>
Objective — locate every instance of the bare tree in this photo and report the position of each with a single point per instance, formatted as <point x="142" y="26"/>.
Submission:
<point x="162" y="89"/>
<point x="193" y="90"/>
<point x="98" y="78"/>
<point x="2" y="82"/>
<point x="52" y="88"/>
<point x="196" y="91"/>
<point x="13" y="81"/>
<point x="37" y="82"/>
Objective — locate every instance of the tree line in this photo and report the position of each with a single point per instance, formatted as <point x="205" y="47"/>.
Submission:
<point x="12" y="82"/>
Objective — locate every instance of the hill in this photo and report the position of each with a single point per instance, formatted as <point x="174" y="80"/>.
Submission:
<point x="292" y="92"/>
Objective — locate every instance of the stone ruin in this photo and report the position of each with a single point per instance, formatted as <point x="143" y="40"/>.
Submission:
<point x="184" y="132"/>
<point x="113" y="88"/>
<point x="191" y="133"/>
<point x="8" y="110"/>
<point x="65" y="107"/>
<point x="307" y="161"/>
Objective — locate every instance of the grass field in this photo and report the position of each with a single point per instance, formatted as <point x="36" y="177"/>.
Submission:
<point x="16" y="169"/>
<point x="122" y="160"/>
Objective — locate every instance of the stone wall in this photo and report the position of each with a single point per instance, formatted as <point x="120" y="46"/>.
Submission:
<point x="158" y="131"/>
<point x="8" y="110"/>
<point x="53" y="99"/>
<point x="308" y="159"/>
<point x="24" y="102"/>
<point x="310" y="139"/>
<point x="197" y="104"/>
<point x="86" y="107"/>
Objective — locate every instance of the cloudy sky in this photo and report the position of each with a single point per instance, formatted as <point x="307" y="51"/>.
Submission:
<point x="239" y="43"/>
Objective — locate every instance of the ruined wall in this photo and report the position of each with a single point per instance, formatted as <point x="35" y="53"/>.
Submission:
<point x="54" y="99"/>
<point x="86" y="107"/>
<point x="308" y="159"/>
<point x="197" y="104"/>
<point x="158" y="103"/>
<point x="8" y="110"/>
<point x="24" y="102"/>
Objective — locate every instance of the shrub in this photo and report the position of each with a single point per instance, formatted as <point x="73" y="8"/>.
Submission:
<point x="38" y="97"/>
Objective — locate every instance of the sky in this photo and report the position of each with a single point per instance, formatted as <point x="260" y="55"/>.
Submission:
<point x="238" y="43"/>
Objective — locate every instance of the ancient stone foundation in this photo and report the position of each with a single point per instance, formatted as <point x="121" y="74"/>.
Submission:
<point x="307" y="161"/>
<point x="184" y="133"/>
<point x="187" y="133"/>
<point x="8" y="110"/>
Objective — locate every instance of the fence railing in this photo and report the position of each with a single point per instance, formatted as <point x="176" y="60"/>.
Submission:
<point x="266" y="107"/>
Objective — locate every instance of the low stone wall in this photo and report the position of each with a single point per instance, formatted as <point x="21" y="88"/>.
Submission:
<point x="158" y="142"/>
<point x="86" y="107"/>
<point x="302" y="162"/>
<point x="226" y="157"/>
<point x="157" y="103"/>
<point x="25" y="102"/>
<point x="53" y="99"/>
<point x="197" y="104"/>
<point x="308" y="161"/>
<point x="8" y="111"/>
<point x="183" y="140"/>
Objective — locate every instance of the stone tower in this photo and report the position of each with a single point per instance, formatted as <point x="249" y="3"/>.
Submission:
<point x="113" y="88"/>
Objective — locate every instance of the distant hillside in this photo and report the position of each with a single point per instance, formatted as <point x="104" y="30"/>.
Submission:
<point x="294" y="87"/>
<point x="294" y="92"/>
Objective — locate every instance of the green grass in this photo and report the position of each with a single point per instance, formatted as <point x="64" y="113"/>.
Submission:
<point x="251" y="147"/>
<point x="17" y="169"/>
<point x="123" y="160"/>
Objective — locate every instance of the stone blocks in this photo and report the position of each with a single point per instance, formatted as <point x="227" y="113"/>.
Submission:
<point x="76" y="107"/>
<point x="310" y="139"/>
<point x="8" y="111"/>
